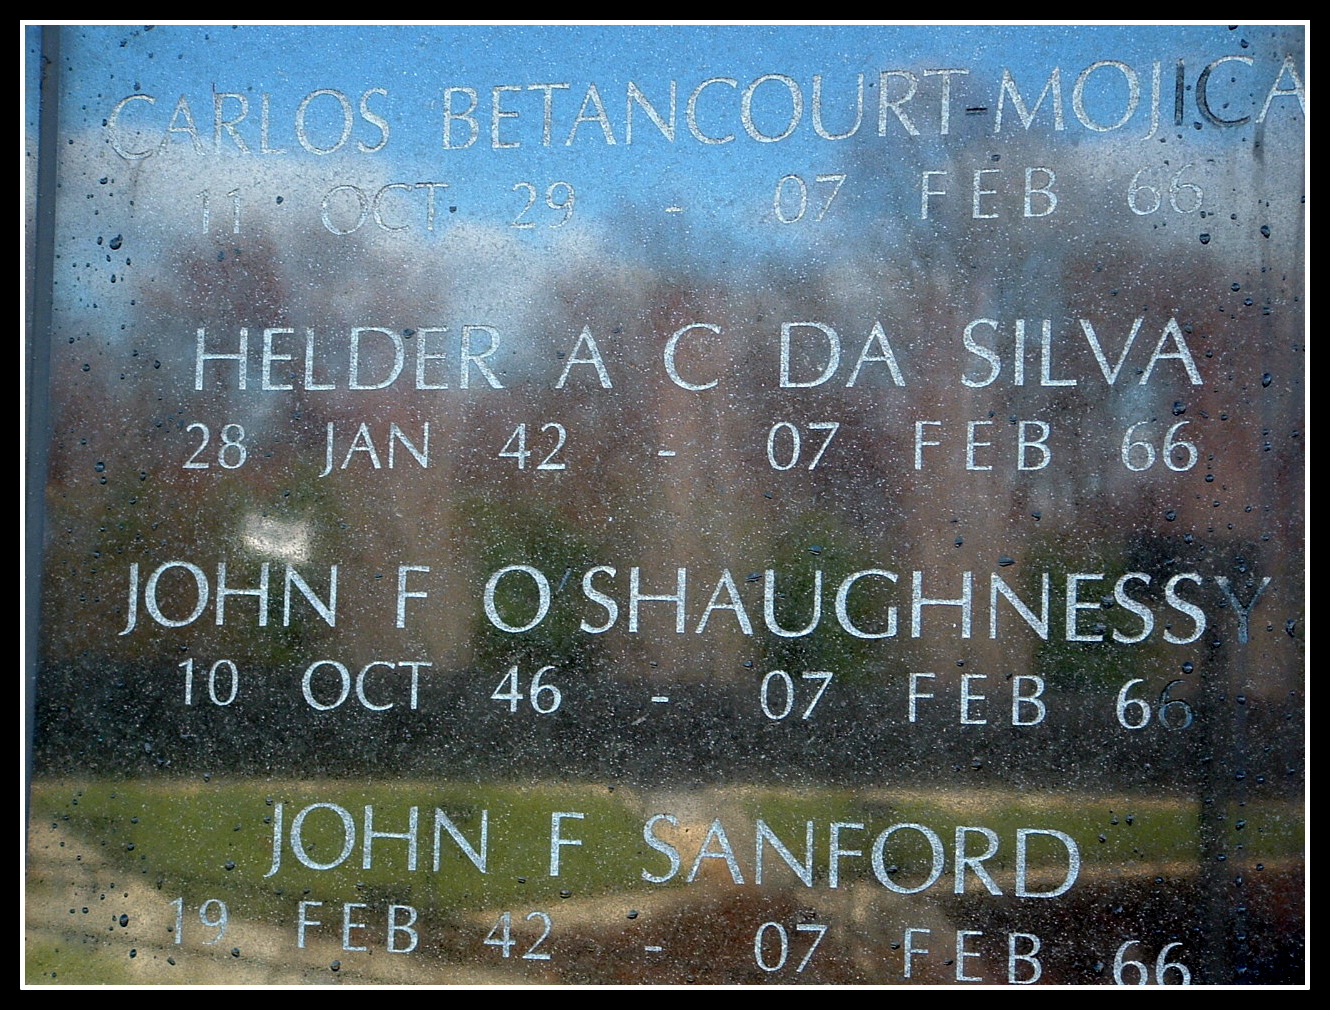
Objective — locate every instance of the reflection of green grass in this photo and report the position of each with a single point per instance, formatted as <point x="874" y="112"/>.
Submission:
<point x="1267" y="829"/>
<point x="142" y="844"/>
<point x="1109" y="831"/>
<point x="199" y="841"/>
<point x="189" y="834"/>
<point x="179" y="839"/>
<point x="67" y="964"/>
<point x="214" y="840"/>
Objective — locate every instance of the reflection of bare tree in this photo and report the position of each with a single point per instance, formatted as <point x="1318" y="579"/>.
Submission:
<point x="718" y="505"/>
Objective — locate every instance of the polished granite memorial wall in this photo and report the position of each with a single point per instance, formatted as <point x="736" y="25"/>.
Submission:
<point x="666" y="505"/>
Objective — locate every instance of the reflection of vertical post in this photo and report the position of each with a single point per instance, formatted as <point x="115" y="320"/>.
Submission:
<point x="1179" y="92"/>
<point x="41" y="297"/>
<point x="1221" y="752"/>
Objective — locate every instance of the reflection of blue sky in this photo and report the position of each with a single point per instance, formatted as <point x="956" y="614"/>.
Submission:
<point x="415" y="64"/>
<point x="724" y="191"/>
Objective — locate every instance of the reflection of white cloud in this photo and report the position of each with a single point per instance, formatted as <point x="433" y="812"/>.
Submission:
<point x="449" y="257"/>
<point x="286" y="541"/>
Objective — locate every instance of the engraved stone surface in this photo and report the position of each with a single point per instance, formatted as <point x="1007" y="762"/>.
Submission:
<point x="666" y="505"/>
